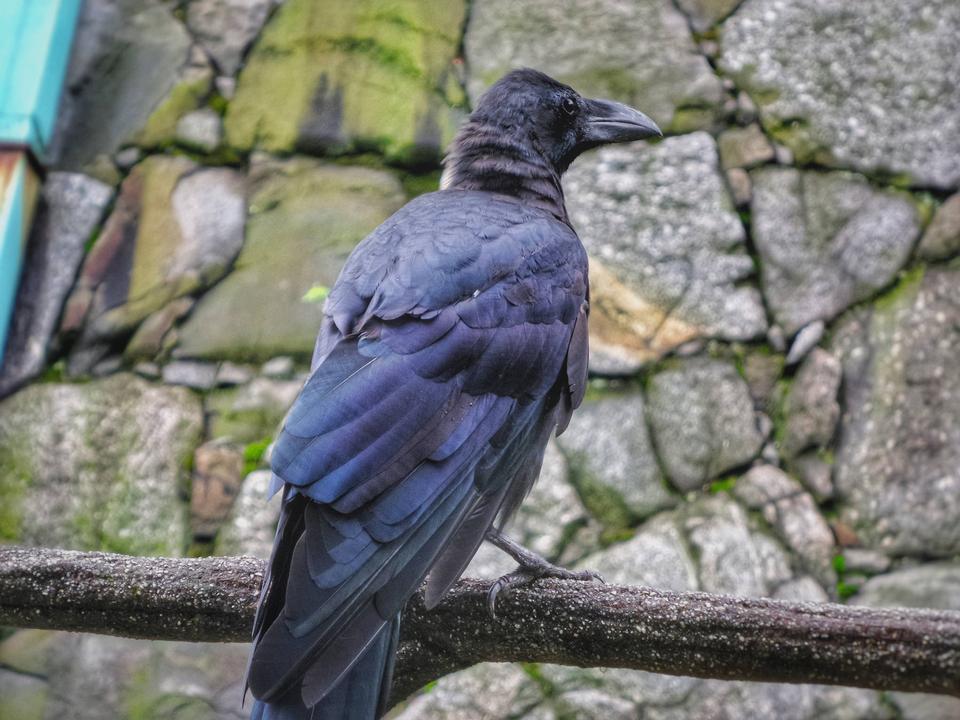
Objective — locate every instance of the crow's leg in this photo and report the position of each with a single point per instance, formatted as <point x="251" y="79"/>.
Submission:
<point x="532" y="567"/>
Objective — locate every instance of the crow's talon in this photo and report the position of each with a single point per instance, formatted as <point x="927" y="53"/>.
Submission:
<point x="524" y="575"/>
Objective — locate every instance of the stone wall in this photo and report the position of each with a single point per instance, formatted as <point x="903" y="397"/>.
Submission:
<point x="775" y="402"/>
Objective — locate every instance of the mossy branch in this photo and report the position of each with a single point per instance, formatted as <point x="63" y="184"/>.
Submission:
<point x="572" y="623"/>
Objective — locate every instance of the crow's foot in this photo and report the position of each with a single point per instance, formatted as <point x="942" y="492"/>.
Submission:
<point x="532" y="567"/>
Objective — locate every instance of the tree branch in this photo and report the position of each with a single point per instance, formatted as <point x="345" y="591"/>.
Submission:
<point x="572" y="623"/>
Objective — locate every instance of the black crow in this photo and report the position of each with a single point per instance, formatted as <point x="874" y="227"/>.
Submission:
<point x="452" y="345"/>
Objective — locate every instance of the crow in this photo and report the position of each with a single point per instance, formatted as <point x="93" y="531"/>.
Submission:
<point x="452" y="345"/>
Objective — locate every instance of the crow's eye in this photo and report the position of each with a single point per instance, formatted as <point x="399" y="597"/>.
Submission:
<point x="569" y="106"/>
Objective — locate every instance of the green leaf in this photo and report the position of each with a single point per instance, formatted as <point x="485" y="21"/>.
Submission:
<point x="318" y="293"/>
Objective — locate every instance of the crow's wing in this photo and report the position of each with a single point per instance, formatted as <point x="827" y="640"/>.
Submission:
<point x="454" y="334"/>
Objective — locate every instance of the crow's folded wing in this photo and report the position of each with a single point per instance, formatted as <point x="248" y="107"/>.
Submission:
<point x="448" y="347"/>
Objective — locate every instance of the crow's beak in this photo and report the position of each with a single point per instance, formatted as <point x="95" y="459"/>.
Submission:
<point x="611" y="122"/>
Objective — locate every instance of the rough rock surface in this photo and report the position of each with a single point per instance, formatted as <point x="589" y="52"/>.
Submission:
<point x="705" y="13"/>
<point x="898" y="462"/>
<point x="942" y="237"/>
<point x="936" y="585"/>
<point x="98" y="465"/>
<point x="794" y="515"/>
<point x="70" y="207"/>
<point x="305" y="218"/>
<point x="252" y="523"/>
<point x="744" y="147"/>
<point x="227" y="27"/>
<point x="174" y="230"/>
<point x="615" y="468"/>
<point x="332" y="76"/>
<point x="552" y="522"/>
<point x="811" y="409"/>
<point x="660" y="219"/>
<point x="127" y="57"/>
<point x="702" y="420"/>
<point x="217" y="478"/>
<point x="863" y="85"/>
<point x="826" y="240"/>
<point x="250" y="412"/>
<point x="647" y="57"/>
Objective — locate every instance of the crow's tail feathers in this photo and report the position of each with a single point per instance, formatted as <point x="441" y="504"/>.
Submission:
<point x="362" y="694"/>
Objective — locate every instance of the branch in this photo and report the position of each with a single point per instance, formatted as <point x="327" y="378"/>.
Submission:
<point x="571" y="623"/>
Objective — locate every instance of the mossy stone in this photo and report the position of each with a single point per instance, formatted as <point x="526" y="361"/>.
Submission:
<point x="305" y="218"/>
<point x="330" y="77"/>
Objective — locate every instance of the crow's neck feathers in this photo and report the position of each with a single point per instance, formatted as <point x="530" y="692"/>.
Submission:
<point x="498" y="159"/>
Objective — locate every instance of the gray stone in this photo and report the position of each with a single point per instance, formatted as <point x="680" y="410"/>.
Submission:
<point x="154" y="332"/>
<point x="803" y="589"/>
<point x="251" y="412"/>
<point x="552" y="522"/>
<point x="279" y="368"/>
<point x="250" y="527"/>
<point x="702" y="420"/>
<point x="661" y="220"/>
<point x="859" y="560"/>
<point x="201" y="130"/>
<point x="942" y="237"/>
<point x="98" y="465"/>
<point x="937" y="586"/>
<point x="932" y="585"/>
<point x="70" y="207"/>
<point x="859" y="85"/>
<point x="898" y="461"/>
<point x="175" y="229"/>
<point x="647" y="57"/>
<point x="704" y="14"/>
<point x="128" y="157"/>
<point x="744" y="147"/>
<point x="793" y="514"/>
<point x="592" y="704"/>
<point x="488" y="690"/>
<point x="259" y="310"/>
<point x="226" y="86"/>
<point x="816" y="475"/>
<point x="740" y="186"/>
<point x="805" y="340"/>
<point x="656" y="556"/>
<point x="731" y="557"/>
<point x="826" y="241"/>
<point x="196" y="375"/>
<point x="615" y="469"/>
<point x="762" y="370"/>
<point x="811" y="409"/>
<point x="96" y="676"/>
<point x="227" y="27"/>
<point x="233" y="374"/>
<point x="127" y="58"/>
<point x="23" y="697"/>
<point x="148" y="370"/>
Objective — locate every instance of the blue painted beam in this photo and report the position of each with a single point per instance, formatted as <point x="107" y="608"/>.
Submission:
<point x="35" y="41"/>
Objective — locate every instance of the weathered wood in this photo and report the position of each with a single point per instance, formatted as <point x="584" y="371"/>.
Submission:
<point x="572" y="623"/>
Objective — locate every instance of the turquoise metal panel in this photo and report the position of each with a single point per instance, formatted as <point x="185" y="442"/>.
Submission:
<point x="35" y="40"/>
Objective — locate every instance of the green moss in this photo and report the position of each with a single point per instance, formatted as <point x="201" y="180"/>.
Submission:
<point x="415" y="184"/>
<point x="688" y="119"/>
<point x="845" y="591"/>
<point x="839" y="564"/>
<point x="253" y="454"/>
<point x="345" y="77"/>
<point x="905" y="290"/>
<point x="185" y="96"/>
<point x="15" y="478"/>
<point x="722" y="485"/>
<point x="605" y="504"/>
<point x="316" y="294"/>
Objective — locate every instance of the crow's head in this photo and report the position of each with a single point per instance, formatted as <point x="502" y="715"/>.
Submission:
<point x="528" y="126"/>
